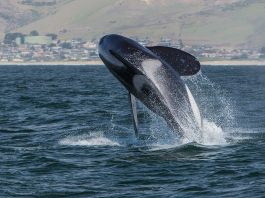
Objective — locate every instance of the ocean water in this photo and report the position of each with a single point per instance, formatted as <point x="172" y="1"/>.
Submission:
<point x="66" y="131"/>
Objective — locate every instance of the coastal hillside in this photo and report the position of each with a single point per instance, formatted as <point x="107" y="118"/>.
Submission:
<point x="226" y="23"/>
<point x="18" y="13"/>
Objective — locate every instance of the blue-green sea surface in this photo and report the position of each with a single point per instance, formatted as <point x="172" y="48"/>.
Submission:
<point x="66" y="131"/>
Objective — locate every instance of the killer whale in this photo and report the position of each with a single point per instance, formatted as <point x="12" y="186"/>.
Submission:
<point x="153" y="76"/>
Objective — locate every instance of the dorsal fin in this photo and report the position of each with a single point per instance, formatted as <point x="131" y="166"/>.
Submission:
<point x="184" y="63"/>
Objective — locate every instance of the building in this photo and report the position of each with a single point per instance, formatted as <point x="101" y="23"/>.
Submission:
<point x="39" y="40"/>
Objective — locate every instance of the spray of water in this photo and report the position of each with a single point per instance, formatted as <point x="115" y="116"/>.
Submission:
<point x="214" y="105"/>
<point x="91" y="139"/>
<point x="216" y="109"/>
<point x="216" y="112"/>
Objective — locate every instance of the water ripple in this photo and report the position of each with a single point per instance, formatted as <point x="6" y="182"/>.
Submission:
<point x="67" y="132"/>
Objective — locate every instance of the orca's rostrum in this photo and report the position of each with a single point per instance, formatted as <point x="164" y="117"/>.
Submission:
<point x="152" y="75"/>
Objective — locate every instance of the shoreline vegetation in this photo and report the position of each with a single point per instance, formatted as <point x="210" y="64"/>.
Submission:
<point x="98" y="62"/>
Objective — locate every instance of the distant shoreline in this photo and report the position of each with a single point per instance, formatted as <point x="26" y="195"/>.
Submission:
<point x="234" y="63"/>
<point x="68" y="63"/>
<point x="98" y="62"/>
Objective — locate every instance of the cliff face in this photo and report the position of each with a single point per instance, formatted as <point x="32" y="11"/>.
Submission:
<point x="230" y="23"/>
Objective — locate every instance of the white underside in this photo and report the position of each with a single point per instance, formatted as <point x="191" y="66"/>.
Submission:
<point x="194" y="107"/>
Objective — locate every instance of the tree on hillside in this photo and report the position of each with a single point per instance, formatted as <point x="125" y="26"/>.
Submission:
<point x="11" y="37"/>
<point x="53" y="36"/>
<point x="262" y="50"/>
<point x="34" y="33"/>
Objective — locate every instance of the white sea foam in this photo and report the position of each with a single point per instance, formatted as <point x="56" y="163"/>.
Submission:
<point x="88" y="140"/>
<point x="212" y="134"/>
<point x="157" y="146"/>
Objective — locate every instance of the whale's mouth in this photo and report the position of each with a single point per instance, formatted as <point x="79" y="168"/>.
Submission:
<point x="127" y="62"/>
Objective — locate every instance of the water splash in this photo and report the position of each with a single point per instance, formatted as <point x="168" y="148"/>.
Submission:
<point x="215" y="107"/>
<point x="217" y="113"/>
<point x="213" y="102"/>
<point x="93" y="139"/>
<point x="212" y="134"/>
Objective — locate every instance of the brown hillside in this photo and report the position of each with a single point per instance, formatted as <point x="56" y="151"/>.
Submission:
<point x="234" y="23"/>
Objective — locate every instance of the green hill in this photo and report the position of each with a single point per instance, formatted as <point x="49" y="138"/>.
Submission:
<point x="229" y="23"/>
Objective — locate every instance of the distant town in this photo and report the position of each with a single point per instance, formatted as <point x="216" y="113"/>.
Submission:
<point x="20" y="48"/>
